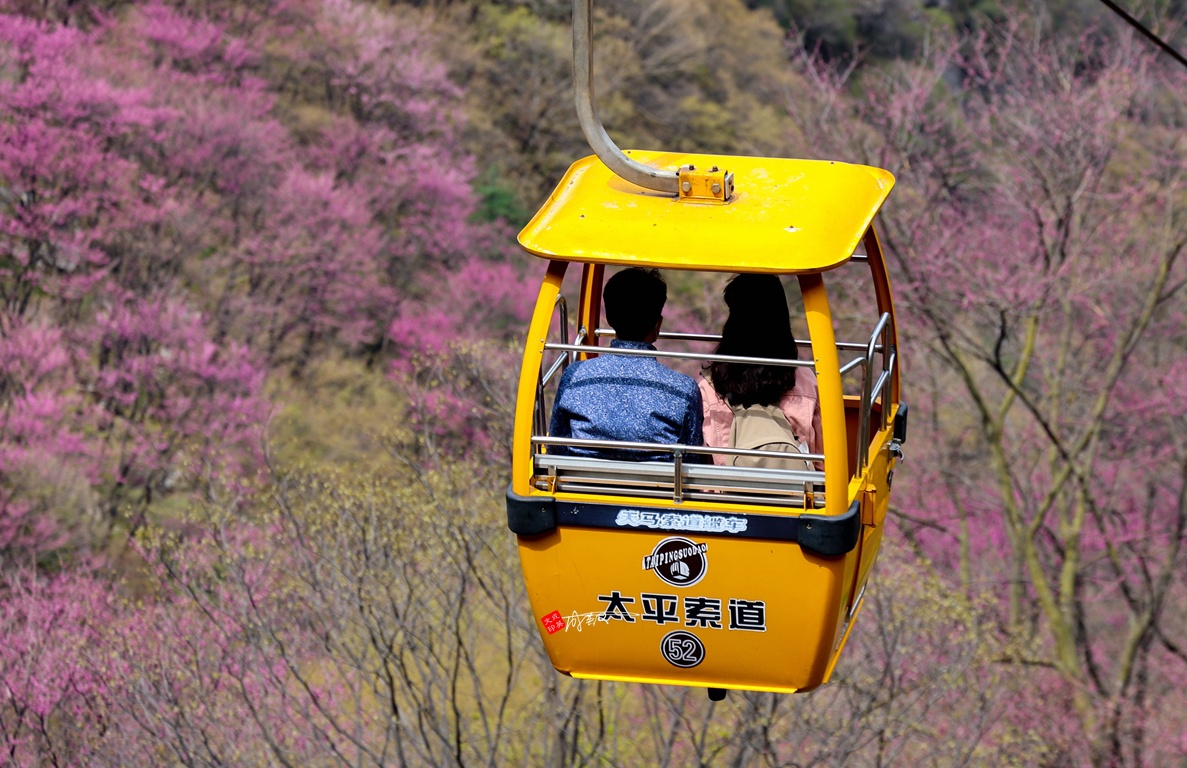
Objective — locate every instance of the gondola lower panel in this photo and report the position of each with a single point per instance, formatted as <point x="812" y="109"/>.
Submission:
<point x="687" y="609"/>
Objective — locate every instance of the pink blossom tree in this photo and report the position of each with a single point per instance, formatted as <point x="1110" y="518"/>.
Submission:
<point x="55" y="708"/>
<point x="167" y="399"/>
<point x="38" y="441"/>
<point x="1038" y="236"/>
<point x="177" y="231"/>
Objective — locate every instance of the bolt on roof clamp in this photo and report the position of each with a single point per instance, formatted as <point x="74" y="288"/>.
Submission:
<point x="711" y="186"/>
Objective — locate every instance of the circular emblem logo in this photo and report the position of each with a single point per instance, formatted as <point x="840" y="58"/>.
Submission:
<point x="678" y="561"/>
<point x="682" y="649"/>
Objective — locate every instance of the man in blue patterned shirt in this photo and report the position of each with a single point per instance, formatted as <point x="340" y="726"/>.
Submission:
<point x="632" y="398"/>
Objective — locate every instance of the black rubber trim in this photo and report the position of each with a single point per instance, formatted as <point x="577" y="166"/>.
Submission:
<point x="530" y="515"/>
<point x="900" y="422"/>
<point x="822" y="534"/>
<point x="831" y="535"/>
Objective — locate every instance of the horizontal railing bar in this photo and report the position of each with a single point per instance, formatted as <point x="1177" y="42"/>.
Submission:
<point x="852" y="345"/>
<point x="791" y="485"/>
<point x="670" y="447"/>
<point x="654" y="484"/>
<point x="690" y="486"/>
<point x="684" y="355"/>
<point x="560" y="361"/>
<point x="773" y="501"/>
<point x="677" y="336"/>
<point x="860" y="258"/>
<point x="556" y="464"/>
<point x="673" y="335"/>
<point x="705" y="488"/>
<point x="796" y="479"/>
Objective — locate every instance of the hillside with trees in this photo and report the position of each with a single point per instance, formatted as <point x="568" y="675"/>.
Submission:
<point x="260" y="312"/>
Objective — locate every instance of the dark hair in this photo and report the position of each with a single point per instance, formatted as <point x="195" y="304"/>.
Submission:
<point x="759" y="325"/>
<point x="634" y="301"/>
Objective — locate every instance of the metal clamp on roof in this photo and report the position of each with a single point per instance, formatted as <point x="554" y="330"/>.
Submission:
<point x="712" y="186"/>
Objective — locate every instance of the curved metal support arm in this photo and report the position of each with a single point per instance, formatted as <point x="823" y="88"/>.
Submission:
<point x="587" y="112"/>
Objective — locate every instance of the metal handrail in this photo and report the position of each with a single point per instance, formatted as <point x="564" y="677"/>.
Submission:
<point x="564" y="305"/>
<point x="571" y="358"/>
<point x="587" y="112"/>
<point x="676" y="336"/>
<point x="877" y="390"/>
<point x="678" y="488"/>
<point x="560" y="361"/>
<point x="683" y="355"/>
<point x="579" y="341"/>
<point x="541" y="425"/>
<point x="849" y="366"/>
<point x="863" y="429"/>
<point x="883" y="380"/>
<point x="540" y="422"/>
<point x="631" y="471"/>
<point x="872" y="345"/>
<point x="791" y="501"/>
<point x="624" y="445"/>
<point x="878" y="342"/>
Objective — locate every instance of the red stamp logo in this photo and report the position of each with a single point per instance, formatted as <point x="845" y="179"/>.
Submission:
<point x="553" y="622"/>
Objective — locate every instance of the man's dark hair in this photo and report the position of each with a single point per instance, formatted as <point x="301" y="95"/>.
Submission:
<point x="634" y="301"/>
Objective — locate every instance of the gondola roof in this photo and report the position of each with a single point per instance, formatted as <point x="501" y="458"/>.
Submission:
<point x="786" y="216"/>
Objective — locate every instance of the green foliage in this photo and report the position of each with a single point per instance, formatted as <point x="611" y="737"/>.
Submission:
<point x="673" y="74"/>
<point x="881" y="31"/>
<point x="497" y="200"/>
<point x="333" y="415"/>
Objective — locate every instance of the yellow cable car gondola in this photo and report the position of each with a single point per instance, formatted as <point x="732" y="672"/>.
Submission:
<point x="681" y="573"/>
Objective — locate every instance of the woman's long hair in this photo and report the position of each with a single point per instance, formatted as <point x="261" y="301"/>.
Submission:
<point x="759" y="325"/>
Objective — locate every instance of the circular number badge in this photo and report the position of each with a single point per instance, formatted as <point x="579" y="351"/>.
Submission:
<point x="682" y="649"/>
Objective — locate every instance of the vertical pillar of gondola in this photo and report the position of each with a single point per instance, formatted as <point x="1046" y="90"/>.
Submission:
<point x="877" y="261"/>
<point x="589" y="313"/>
<point x="832" y="402"/>
<point x="529" y="377"/>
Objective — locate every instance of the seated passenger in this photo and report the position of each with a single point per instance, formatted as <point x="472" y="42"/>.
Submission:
<point x="630" y="398"/>
<point x="759" y="325"/>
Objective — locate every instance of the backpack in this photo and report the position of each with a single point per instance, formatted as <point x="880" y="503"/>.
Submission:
<point x="764" y="427"/>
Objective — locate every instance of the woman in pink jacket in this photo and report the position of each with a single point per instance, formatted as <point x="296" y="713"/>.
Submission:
<point x="759" y="325"/>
